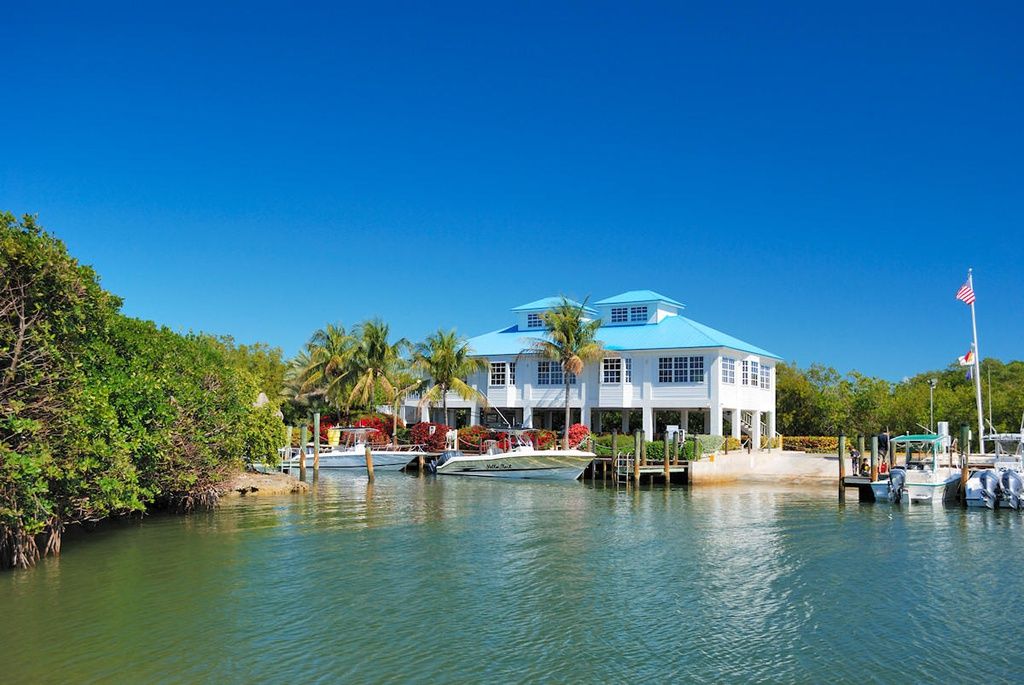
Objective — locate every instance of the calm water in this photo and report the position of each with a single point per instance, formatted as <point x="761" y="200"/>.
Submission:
<point x="450" y="580"/>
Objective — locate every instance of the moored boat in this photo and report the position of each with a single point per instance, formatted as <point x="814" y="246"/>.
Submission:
<point x="921" y="479"/>
<point x="520" y="460"/>
<point x="350" y="453"/>
<point x="1001" y="486"/>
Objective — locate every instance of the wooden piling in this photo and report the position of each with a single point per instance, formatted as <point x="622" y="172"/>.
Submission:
<point x="421" y="462"/>
<point x="874" y="458"/>
<point x="316" y="444"/>
<point x="675" y="448"/>
<point x="842" y="467"/>
<point x="668" y="463"/>
<point x="860" y="451"/>
<point x="303" y="436"/>
<point x="636" y="456"/>
<point x="369" y="461"/>
<point x="643" y="448"/>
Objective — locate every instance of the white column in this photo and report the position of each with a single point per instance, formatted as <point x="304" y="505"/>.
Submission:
<point x="625" y="420"/>
<point x="424" y="413"/>
<point x="755" y="430"/>
<point x="684" y="416"/>
<point x="716" y="421"/>
<point x="585" y="415"/>
<point x="648" y="423"/>
<point x="528" y="415"/>
<point x="737" y="414"/>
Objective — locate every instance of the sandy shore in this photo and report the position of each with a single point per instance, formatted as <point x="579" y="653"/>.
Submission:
<point x="247" y="483"/>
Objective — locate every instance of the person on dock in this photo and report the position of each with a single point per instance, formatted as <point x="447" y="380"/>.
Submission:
<point x="854" y="460"/>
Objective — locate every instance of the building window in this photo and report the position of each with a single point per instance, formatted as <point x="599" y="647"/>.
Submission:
<point x="746" y="372"/>
<point x="550" y="373"/>
<point x="728" y="370"/>
<point x="511" y="373"/>
<point x="534" y="320"/>
<point x="611" y="370"/>
<point x="681" y="369"/>
<point x="753" y="373"/>
<point x="638" y="313"/>
<point x="766" y="377"/>
<point x="497" y="373"/>
<point x="620" y="314"/>
<point x="628" y="370"/>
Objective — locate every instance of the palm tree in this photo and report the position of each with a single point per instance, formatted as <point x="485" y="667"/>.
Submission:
<point x="329" y="371"/>
<point x="403" y="382"/>
<point x="444" y="358"/>
<point x="571" y="341"/>
<point x="373" y="357"/>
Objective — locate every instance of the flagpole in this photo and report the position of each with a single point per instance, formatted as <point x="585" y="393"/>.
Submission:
<point x="977" y="370"/>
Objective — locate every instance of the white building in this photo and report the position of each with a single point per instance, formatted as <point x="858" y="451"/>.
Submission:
<point x="662" y="369"/>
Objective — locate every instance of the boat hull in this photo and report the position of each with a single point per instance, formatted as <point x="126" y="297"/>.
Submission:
<point x="382" y="461"/>
<point x="924" y="491"/>
<point x="512" y="466"/>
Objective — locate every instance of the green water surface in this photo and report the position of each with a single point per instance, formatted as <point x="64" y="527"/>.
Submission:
<point x="460" y="580"/>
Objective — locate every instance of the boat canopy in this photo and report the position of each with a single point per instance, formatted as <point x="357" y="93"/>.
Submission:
<point x="925" y="437"/>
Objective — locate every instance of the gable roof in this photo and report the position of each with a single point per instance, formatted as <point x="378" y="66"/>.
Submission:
<point x="674" y="332"/>
<point x="548" y="303"/>
<point x="631" y="296"/>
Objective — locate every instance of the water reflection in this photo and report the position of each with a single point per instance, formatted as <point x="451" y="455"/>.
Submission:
<point x="460" y="580"/>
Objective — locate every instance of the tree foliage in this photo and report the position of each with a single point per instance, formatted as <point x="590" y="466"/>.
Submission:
<point x="101" y="414"/>
<point x="821" y="401"/>
<point x="571" y="340"/>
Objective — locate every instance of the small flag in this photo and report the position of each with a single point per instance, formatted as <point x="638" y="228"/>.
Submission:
<point x="966" y="293"/>
<point x="970" y="372"/>
<point x="967" y="359"/>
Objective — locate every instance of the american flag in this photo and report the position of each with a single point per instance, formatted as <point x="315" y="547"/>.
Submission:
<point x="965" y="294"/>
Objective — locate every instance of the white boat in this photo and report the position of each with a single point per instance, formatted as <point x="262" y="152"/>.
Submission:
<point x="1000" y="486"/>
<point x="521" y="460"/>
<point x="921" y="480"/>
<point x="350" y="453"/>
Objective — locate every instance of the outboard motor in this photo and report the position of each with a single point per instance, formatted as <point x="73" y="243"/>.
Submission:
<point x="1013" y="487"/>
<point x="897" y="479"/>
<point x="990" y="488"/>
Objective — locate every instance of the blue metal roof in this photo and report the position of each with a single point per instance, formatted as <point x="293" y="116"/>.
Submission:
<point x="674" y="332"/>
<point x="549" y="303"/>
<point x="632" y="296"/>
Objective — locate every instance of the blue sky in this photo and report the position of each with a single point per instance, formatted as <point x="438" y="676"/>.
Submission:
<point x="800" y="175"/>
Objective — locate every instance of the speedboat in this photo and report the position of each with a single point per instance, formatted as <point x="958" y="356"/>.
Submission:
<point x="1001" y="486"/>
<point x="921" y="479"/>
<point x="350" y="453"/>
<point x="520" y="460"/>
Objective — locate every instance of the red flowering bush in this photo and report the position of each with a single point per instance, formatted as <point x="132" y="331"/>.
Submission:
<point x="543" y="439"/>
<point x="577" y="433"/>
<point x="381" y="423"/>
<point x="324" y="427"/>
<point x="432" y="442"/>
<point x="470" y="437"/>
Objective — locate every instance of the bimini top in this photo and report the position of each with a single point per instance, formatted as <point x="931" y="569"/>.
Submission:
<point x="924" y="437"/>
<point x="548" y="303"/>
<point x="672" y="332"/>
<point x="632" y="296"/>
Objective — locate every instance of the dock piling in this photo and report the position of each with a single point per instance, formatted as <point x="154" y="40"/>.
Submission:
<point x="369" y="461"/>
<point x="874" y="458"/>
<point x="842" y="467"/>
<point x="665" y="457"/>
<point x="316" y="444"/>
<point x="637" y="438"/>
<point x="303" y="437"/>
